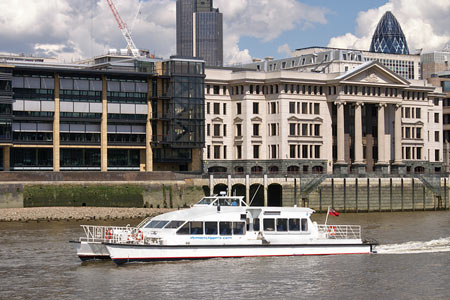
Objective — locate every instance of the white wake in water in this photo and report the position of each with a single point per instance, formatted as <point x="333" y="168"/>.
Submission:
<point x="440" y="245"/>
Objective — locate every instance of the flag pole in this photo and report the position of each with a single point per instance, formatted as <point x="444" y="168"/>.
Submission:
<point x="326" y="219"/>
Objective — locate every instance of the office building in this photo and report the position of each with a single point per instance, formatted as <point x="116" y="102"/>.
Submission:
<point x="200" y="31"/>
<point x="110" y="113"/>
<point x="388" y="36"/>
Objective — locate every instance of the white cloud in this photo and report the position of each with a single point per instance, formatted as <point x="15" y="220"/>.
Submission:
<point x="285" y="50"/>
<point x="74" y="29"/>
<point x="425" y="24"/>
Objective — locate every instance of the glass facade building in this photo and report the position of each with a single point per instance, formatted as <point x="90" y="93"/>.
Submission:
<point x="200" y="31"/>
<point x="116" y="118"/>
<point x="388" y="36"/>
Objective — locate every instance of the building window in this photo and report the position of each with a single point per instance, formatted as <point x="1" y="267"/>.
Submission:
<point x="407" y="112"/>
<point x="316" y="130"/>
<point x="216" y="152"/>
<point x="292" y="151"/>
<point x="251" y="89"/>
<point x="419" y="153"/>
<point x="316" y="109"/>
<point x="238" y="129"/>
<point x="255" y="151"/>
<point x="418" y="113"/>
<point x="255" y="108"/>
<point x="304" y="108"/>
<point x="216" y="129"/>
<point x="317" y="151"/>
<point x="208" y="109"/>
<point x="292" y="107"/>
<point x="304" y="129"/>
<point x="419" y="133"/>
<point x="208" y="129"/>
<point x="273" y="107"/>
<point x="255" y="129"/>
<point x="239" y="151"/>
<point x="407" y="132"/>
<point x="273" y="129"/>
<point x="292" y="129"/>
<point x="436" y="136"/>
<point x="216" y="89"/>
<point x="305" y="151"/>
<point x="224" y="129"/>
<point x="436" y="101"/>
<point x="208" y="151"/>
<point x="224" y="109"/>
<point x="217" y="108"/>
<point x="224" y="152"/>
<point x="436" y="117"/>
<point x="239" y="108"/>
<point x="436" y="155"/>
<point x="408" y="152"/>
<point x="273" y="150"/>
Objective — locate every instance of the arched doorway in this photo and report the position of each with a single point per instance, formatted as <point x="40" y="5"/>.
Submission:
<point x="293" y="170"/>
<point x="273" y="170"/>
<point x="419" y="170"/>
<point x="317" y="170"/>
<point x="275" y="195"/>
<point x="217" y="170"/>
<point x="238" y="190"/>
<point x="257" y="170"/>
<point x="220" y="188"/>
<point x="257" y="195"/>
<point x="239" y="170"/>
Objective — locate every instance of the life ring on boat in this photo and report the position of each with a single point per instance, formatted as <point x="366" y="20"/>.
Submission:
<point x="108" y="234"/>
<point x="139" y="235"/>
<point x="331" y="230"/>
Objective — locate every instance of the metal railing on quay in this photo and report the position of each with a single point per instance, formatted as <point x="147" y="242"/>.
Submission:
<point x="339" y="232"/>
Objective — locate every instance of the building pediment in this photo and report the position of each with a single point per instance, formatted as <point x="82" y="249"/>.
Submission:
<point x="372" y="73"/>
<point x="256" y="119"/>
<point x="238" y="120"/>
<point x="217" y="120"/>
<point x="295" y="119"/>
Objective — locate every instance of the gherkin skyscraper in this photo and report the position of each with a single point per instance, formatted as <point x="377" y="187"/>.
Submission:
<point x="388" y="36"/>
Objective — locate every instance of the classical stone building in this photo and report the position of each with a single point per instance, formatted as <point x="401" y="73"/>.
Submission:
<point x="367" y="119"/>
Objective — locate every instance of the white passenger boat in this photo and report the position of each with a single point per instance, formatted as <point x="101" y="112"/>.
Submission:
<point x="223" y="227"/>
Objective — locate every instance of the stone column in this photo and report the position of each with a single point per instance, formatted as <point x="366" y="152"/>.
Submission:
<point x="340" y="133"/>
<point x="382" y="164"/>
<point x="104" y="128"/>
<point x="230" y="187"/>
<point x="398" y="135"/>
<point x="341" y="166"/>
<point x="56" y="137"/>
<point x="211" y="184"/>
<point x="358" y="164"/>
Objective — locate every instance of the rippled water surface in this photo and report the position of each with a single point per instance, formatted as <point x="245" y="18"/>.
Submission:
<point x="37" y="262"/>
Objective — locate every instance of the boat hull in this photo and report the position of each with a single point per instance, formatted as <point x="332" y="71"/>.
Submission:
<point x="91" y="251"/>
<point x="140" y="253"/>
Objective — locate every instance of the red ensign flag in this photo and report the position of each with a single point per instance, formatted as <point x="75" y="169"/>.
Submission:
<point x="332" y="212"/>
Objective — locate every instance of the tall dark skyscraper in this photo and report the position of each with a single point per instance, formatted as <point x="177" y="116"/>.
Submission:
<point x="200" y="31"/>
<point x="388" y="36"/>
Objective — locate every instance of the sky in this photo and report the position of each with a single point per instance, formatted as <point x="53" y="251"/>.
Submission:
<point x="70" y="30"/>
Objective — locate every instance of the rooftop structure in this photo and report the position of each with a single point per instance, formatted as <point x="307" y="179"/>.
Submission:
<point x="388" y="36"/>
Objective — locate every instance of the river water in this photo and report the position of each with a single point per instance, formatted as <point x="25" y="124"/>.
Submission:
<point x="37" y="262"/>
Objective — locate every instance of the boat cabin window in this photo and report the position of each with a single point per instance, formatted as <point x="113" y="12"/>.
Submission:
<point x="210" y="227"/>
<point x="193" y="228"/>
<point x="269" y="224"/>
<point x="304" y="224"/>
<point x="282" y="224"/>
<point x="238" y="228"/>
<point x="156" y="224"/>
<point x="196" y="228"/>
<point x="294" y="224"/>
<point x="206" y="201"/>
<point x="225" y="228"/>
<point x="256" y="224"/>
<point x="174" y="224"/>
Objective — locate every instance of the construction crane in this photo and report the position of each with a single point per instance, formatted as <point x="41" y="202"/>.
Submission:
<point x="131" y="46"/>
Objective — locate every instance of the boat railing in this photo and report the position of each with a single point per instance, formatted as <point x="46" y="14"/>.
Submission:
<point x="340" y="232"/>
<point x="110" y="234"/>
<point x="145" y="221"/>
